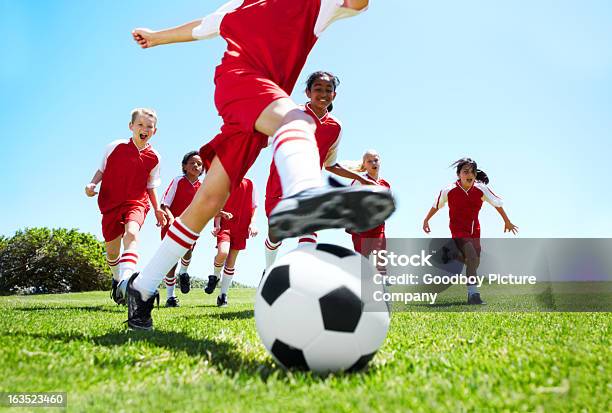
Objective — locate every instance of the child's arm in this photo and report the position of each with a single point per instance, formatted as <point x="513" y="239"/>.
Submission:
<point x="149" y="38"/>
<point x="430" y="214"/>
<point x="90" y="188"/>
<point x="216" y="225"/>
<point x="253" y="231"/>
<point x="355" y="4"/>
<point x="508" y="226"/>
<point x="340" y="170"/>
<point x="169" y="215"/>
<point x="160" y="215"/>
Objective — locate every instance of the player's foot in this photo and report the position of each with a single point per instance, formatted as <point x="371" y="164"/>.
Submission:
<point x="118" y="291"/>
<point x="184" y="283"/>
<point x="356" y="208"/>
<point x="172" y="302"/>
<point x="474" y="299"/>
<point x="222" y="300"/>
<point x="139" y="310"/>
<point x="213" y="280"/>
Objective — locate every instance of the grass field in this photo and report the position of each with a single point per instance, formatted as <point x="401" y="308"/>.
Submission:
<point x="201" y="358"/>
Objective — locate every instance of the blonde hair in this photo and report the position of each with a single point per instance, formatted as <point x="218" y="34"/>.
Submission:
<point x="358" y="166"/>
<point x="143" y="112"/>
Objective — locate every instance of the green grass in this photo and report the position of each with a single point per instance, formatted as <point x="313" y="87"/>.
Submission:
<point x="201" y="358"/>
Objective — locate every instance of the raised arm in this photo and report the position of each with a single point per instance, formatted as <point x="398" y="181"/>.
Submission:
<point x="149" y="38"/>
<point x="340" y="170"/>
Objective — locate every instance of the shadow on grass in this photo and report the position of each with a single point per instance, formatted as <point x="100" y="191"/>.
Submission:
<point x="97" y="308"/>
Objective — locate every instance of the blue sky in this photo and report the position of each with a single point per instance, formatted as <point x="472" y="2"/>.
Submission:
<point x="523" y="87"/>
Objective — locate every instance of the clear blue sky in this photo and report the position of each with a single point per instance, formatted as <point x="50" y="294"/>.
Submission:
<point x="523" y="87"/>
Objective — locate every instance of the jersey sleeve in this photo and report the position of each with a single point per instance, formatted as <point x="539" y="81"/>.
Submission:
<point x="154" y="176"/>
<point x="209" y="26"/>
<point x="441" y="199"/>
<point x="171" y="192"/>
<point x="489" y="196"/>
<point x="330" y="11"/>
<point x="332" y="154"/>
<point x="108" y="150"/>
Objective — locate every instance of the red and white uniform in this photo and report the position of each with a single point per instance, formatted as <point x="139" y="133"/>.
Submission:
<point x="178" y="196"/>
<point x="241" y="204"/>
<point x="127" y="173"/>
<point x="464" y="207"/>
<point x="268" y="42"/>
<point x="327" y="135"/>
<point x="372" y="239"/>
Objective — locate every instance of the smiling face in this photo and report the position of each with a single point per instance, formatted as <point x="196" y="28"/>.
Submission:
<point x="321" y="93"/>
<point x="143" y="128"/>
<point x="193" y="167"/>
<point x="467" y="176"/>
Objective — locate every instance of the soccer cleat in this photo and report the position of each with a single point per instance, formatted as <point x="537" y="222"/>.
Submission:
<point x="139" y="310"/>
<point x="474" y="299"/>
<point x="222" y="300"/>
<point x="184" y="283"/>
<point x="172" y="302"/>
<point x="356" y="208"/>
<point x="213" y="280"/>
<point x="118" y="292"/>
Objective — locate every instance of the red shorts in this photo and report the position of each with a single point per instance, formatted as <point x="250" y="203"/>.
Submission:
<point x="271" y="203"/>
<point x="241" y="95"/>
<point x="237" y="240"/>
<point x="164" y="231"/>
<point x="365" y="245"/>
<point x="113" y="222"/>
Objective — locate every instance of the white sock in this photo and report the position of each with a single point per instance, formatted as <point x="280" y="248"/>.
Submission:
<point x="217" y="269"/>
<point x="184" y="265"/>
<point x="226" y="281"/>
<point x="308" y="238"/>
<point x="127" y="264"/>
<point x="472" y="289"/>
<point x="175" y="244"/>
<point x="297" y="157"/>
<point x="271" y="251"/>
<point x="170" y="283"/>
<point x="114" y="266"/>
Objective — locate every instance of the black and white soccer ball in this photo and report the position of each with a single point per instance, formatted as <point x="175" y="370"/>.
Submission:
<point x="311" y="314"/>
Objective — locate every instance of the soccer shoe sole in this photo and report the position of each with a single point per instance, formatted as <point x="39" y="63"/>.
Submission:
<point x="357" y="208"/>
<point x="184" y="283"/>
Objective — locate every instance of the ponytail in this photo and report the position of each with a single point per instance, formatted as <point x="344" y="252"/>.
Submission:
<point x="480" y="174"/>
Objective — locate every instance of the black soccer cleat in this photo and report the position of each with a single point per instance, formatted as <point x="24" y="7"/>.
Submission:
<point x="172" y="302"/>
<point x="356" y="208"/>
<point x="118" y="292"/>
<point x="213" y="280"/>
<point x="139" y="310"/>
<point x="184" y="283"/>
<point x="222" y="300"/>
<point x="474" y="299"/>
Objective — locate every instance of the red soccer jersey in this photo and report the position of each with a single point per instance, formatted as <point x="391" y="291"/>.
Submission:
<point x="376" y="231"/>
<point x="127" y="173"/>
<point x="327" y="135"/>
<point x="464" y="207"/>
<point x="241" y="203"/>
<point x="179" y="194"/>
<point x="286" y="31"/>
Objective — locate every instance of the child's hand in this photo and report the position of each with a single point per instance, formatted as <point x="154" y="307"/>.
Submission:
<point x="215" y="231"/>
<point x="253" y="231"/>
<point x="225" y="215"/>
<point x="170" y="219"/>
<point x="90" y="190"/>
<point x="510" y="227"/>
<point x="426" y="227"/>
<point x="161" y="218"/>
<point x="145" y="37"/>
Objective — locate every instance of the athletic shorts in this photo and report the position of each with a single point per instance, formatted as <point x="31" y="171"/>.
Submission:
<point x="113" y="222"/>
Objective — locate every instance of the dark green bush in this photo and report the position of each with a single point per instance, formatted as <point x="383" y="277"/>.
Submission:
<point x="43" y="260"/>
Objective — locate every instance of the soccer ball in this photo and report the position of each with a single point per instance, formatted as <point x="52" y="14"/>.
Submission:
<point x="311" y="314"/>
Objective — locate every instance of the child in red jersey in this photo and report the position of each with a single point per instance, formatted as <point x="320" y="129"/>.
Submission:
<point x="178" y="196"/>
<point x="232" y="235"/>
<point x="374" y="239"/>
<point x="465" y="198"/>
<point x="129" y="176"/>
<point x="268" y="42"/>
<point x="321" y="91"/>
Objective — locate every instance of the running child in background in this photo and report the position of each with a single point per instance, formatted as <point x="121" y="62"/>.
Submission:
<point x="374" y="239"/>
<point x="268" y="42"/>
<point x="321" y="92"/>
<point x="465" y="198"/>
<point x="178" y="196"/>
<point x="232" y="235"/>
<point x="129" y="176"/>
